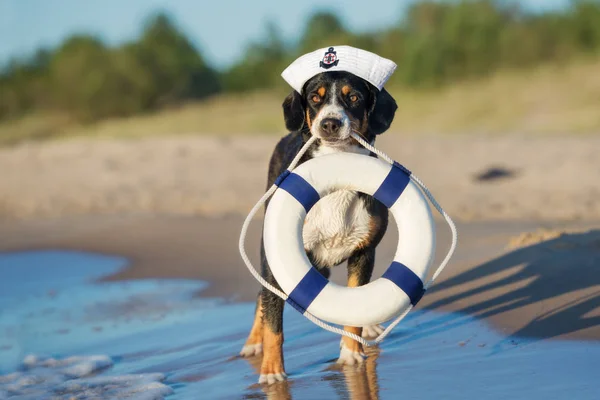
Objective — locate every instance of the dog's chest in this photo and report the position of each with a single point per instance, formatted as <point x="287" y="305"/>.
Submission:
<point x="335" y="227"/>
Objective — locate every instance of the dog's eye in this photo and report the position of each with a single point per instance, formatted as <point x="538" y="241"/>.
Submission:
<point x="354" y="98"/>
<point x="316" y="98"/>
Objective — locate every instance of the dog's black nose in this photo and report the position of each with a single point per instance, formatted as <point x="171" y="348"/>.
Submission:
<point x="330" y="126"/>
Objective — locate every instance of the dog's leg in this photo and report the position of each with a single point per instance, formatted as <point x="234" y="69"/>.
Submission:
<point x="272" y="368"/>
<point x="360" y="268"/>
<point x="253" y="344"/>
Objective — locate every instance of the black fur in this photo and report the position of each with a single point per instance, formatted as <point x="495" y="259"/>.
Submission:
<point x="382" y="112"/>
<point x="293" y="111"/>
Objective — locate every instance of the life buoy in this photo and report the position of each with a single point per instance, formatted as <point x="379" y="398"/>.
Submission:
<point x="379" y="301"/>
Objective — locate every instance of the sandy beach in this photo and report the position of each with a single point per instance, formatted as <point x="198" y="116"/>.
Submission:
<point x="476" y="178"/>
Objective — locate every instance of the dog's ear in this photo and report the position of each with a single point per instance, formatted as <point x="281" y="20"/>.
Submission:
<point x="382" y="112"/>
<point x="293" y="111"/>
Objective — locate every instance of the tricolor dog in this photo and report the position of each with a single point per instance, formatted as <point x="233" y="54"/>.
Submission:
<point x="337" y="91"/>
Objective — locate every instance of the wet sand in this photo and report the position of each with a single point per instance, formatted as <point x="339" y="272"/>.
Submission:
<point x="547" y="289"/>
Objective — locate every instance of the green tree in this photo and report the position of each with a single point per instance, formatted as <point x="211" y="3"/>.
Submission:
<point x="177" y="69"/>
<point x="323" y="29"/>
<point x="24" y="84"/>
<point x="434" y="43"/>
<point x="91" y="81"/>
<point x="261" y="64"/>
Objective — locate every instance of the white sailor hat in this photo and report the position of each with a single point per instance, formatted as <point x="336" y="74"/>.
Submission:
<point x="364" y="64"/>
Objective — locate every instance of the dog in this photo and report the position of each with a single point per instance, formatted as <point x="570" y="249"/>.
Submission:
<point x="343" y="226"/>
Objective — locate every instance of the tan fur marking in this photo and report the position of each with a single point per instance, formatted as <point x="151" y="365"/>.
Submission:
<point x="346" y="89"/>
<point x="308" y="121"/>
<point x="321" y="91"/>
<point x="353" y="281"/>
<point x="256" y="333"/>
<point x="273" y="352"/>
<point x="352" y="344"/>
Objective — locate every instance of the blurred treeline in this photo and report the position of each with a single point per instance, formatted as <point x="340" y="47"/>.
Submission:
<point x="433" y="44"/>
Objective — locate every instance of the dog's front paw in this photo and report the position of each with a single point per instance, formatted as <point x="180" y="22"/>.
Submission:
<point x="351" y="356"/>
<point x="250" y="350"/>
<point x="270" y="379"/>
<point x="372" y="331"/>
<point x="272" y="371"/>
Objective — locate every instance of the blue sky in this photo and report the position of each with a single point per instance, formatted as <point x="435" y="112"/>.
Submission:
<point x="219" y="28"/>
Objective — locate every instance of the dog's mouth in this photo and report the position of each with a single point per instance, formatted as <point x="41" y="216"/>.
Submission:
<point x="336" y="142"/>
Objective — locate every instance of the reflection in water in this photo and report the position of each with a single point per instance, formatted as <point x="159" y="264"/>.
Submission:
<point x="276" y="391"/>
<point x="361" y="381"/>
<point x="356" y="382"/>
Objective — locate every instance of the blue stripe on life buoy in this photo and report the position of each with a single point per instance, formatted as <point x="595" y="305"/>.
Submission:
<point x="301" y="190"/>
<point x="307" y="290"/>
<point x="282" y="177"/>
<point x="406" y="280"/>
<point x="393" y="185"/>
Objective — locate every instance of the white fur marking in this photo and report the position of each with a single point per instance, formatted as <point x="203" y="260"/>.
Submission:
<point x="270" y="379"/>
<point x="372" y="331"/>
<point x="323" y="149"/>
<point x="349" y="357"/>
<point x="332" y="110"/>
<point x="339" y="222"/>
<point x="251" y="350"/>
<point x="335" y="226"/>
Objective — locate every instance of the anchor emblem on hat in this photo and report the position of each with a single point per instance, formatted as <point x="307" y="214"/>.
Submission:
<point x="330" y="59"/>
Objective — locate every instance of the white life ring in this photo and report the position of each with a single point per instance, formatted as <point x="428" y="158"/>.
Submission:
<point x="379" y="301"/>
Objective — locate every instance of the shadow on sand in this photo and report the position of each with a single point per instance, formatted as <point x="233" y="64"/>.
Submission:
<point x="533" y="275"/>
<point x="522" y="277"/>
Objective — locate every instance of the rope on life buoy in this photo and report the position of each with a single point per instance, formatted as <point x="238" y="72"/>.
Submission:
<point x="283" y="296"/>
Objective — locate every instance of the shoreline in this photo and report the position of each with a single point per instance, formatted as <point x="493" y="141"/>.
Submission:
<point x="544" y="290"/>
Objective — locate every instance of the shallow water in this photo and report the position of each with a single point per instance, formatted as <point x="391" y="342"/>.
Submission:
<point x="51" y="306"/>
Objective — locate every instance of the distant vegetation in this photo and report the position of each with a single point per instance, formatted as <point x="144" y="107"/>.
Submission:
<point x="434" y="43"/>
